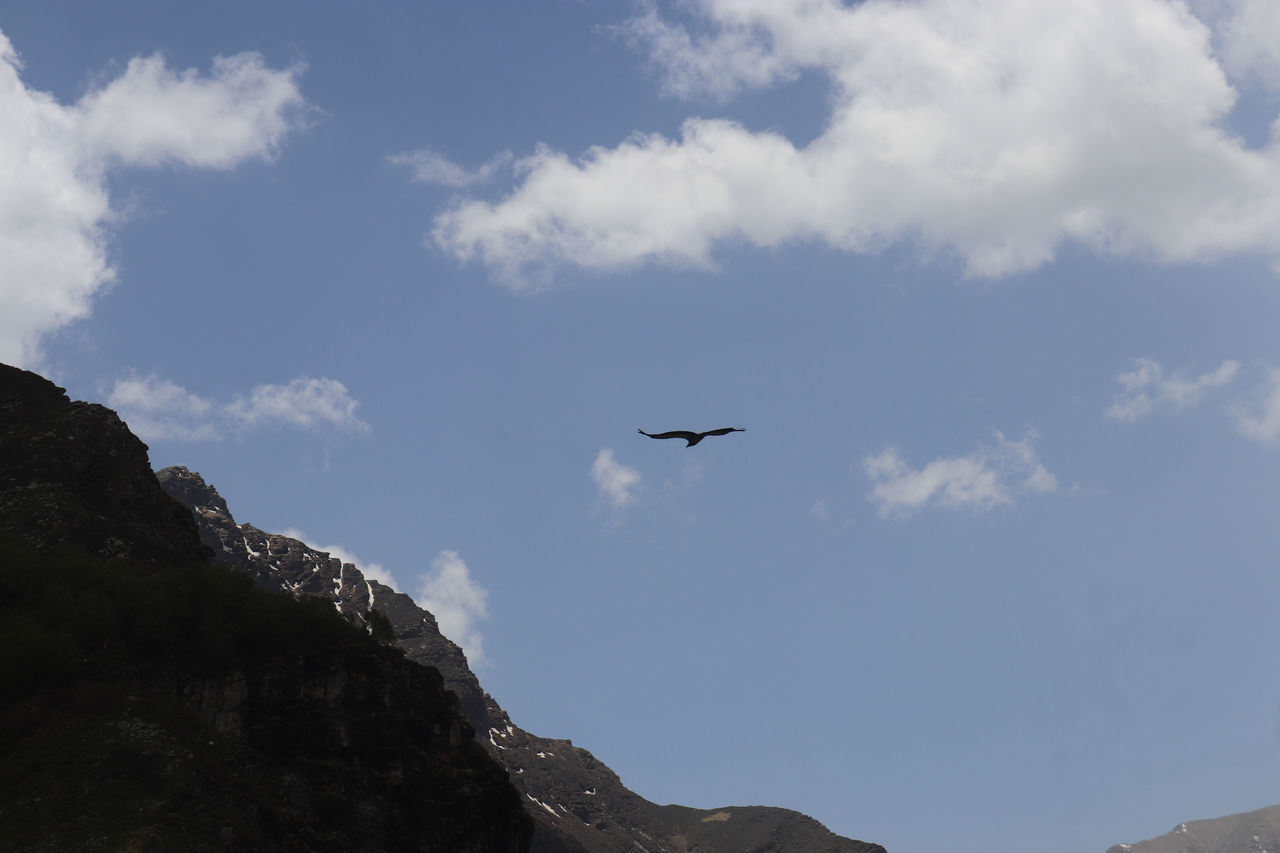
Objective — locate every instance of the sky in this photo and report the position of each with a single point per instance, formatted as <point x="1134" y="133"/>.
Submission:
<point x="993" y="288"/>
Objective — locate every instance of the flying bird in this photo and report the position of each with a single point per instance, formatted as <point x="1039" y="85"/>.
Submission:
<point x="691" y="437"/>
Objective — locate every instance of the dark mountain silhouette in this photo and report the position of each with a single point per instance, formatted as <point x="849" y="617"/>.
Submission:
<point x="691" y="438"/>
<point x="152" y="701"/>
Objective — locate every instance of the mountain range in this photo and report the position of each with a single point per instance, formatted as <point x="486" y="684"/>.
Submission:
<point x="174" y="679"/>
<point x="171" y="678"/>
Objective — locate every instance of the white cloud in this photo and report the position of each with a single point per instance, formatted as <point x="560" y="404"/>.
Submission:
<point x="304" y="402"/>
<point x="979" y="481"/>
<point x="371" y="571"/>
<point x="159" y="409"/>
<point x="55" y="213"/>
<point x="431" y="167"/>
<point x="1147" y="387"/>
<point x="615" y="481"/>
<point x="1261" y="420"/>
<point x="994" y="130"/>
<point x="1251" y="40"/>
<point x="151" y="115"/>
<point x="721" y="64"/>
<point x="156" y="408"/>
<point x="457" y="602"/>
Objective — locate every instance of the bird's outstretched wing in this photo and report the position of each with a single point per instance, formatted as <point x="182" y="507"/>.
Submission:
<point x="675" y="433"/>
<point x="691" y="438"/>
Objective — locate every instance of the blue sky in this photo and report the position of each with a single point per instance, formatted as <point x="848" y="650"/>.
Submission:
<point x="992" y="286"/>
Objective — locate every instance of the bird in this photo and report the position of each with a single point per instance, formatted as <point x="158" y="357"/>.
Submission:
<point x="691" y="437"/>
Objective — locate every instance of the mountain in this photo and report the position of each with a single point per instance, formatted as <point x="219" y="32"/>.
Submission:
<point x="73" y="473"/>
<point x="578" y="804"/>
<point x="150" y="700"/>
<point x="1247" y="832"/>
<point x="171" y="679"/>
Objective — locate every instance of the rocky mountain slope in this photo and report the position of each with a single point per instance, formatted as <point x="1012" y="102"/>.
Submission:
<point x="152" y="701"/>
<point x="1247" y="832"/>
<point x="579" y="804"/>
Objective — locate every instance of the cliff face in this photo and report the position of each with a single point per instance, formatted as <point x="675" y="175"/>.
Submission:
<point x="150" y="700"/>
<point x="578" y="803"/>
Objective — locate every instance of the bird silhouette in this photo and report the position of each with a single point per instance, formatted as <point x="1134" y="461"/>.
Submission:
<point x="691" y="437"/>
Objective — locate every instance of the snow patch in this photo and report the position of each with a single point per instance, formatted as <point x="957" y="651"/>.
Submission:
<point x="544" y="805"/>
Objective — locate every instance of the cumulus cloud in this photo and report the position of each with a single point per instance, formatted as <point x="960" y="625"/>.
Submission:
<point x="429" y="166"/>
<point x="1260" y="420"/>
<point x="55" y="213"/>
<point x="457" y="602"/>
<point x="615" y="481"/>
<point x="371" y="571"/>
<point x="991" y="130"/>
<point x="157" y="408"/>
<point x="1147" y="387"/>
<point x="979" y="481"/>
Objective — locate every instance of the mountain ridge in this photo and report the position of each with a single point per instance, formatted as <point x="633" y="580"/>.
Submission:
<point x="1256" y="831"/>
<point x="579" y="805"/>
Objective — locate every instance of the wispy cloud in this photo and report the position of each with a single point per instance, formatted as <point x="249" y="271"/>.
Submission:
<point x="1147" y="387"/>
<point x="996" y="132"/>
<point x="55" y="212"/>
<point x="159" y="409"/>
<point x="616" y="482"/>
<point x="156" y="408"/>
<point x="304" y="402"/>
<point x="979" y="481"/>
<point x="1260" y="419"/>
<point x="457" y="602"/>
<point x="429" y="166"/>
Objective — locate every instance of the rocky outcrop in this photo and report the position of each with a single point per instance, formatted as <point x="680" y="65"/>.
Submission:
<point x="1247" y="832"/>
<point x="73" y="473"/>
<point x="578" y="803"/>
